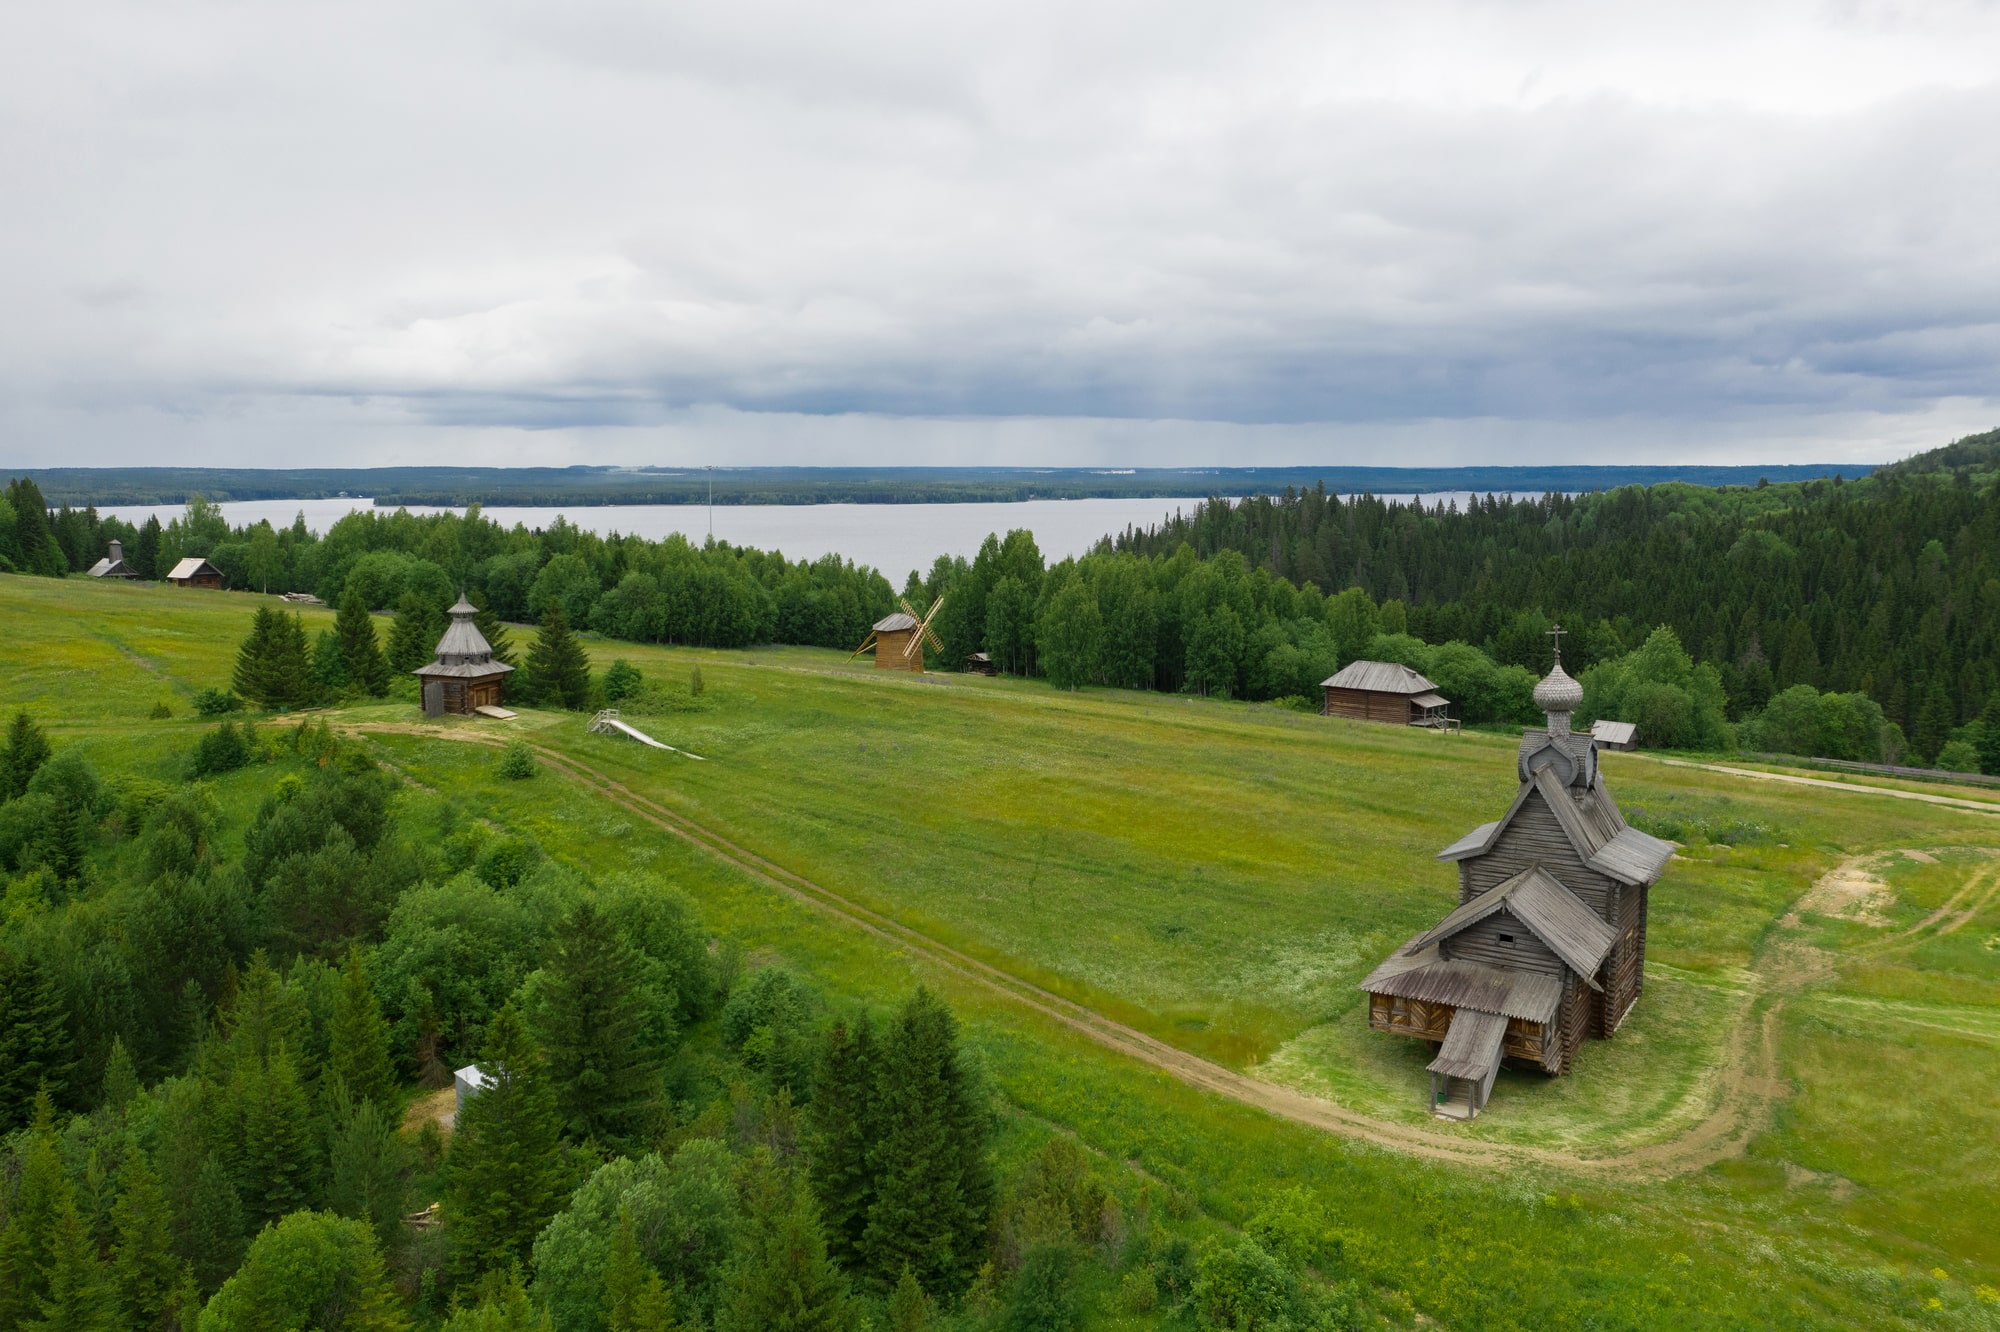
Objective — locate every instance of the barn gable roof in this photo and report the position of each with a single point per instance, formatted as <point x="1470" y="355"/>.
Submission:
<point x="1556" y="916"/>
<point x="1378" y="677"/>
<point x="191" y="566"/>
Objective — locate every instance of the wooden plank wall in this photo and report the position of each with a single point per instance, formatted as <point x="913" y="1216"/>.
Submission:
<point x="1535" y="838"/>
<point x="1368" y="705"/>
<point x="1482" y="943"/>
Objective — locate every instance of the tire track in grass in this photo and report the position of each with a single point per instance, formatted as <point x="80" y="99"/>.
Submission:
<point x="1748" y="1082"/>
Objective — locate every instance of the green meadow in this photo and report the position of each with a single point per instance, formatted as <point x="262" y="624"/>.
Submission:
<point x="1799" y="1126"/>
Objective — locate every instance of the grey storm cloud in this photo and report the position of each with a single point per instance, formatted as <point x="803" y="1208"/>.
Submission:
<point x="1035" y="231"/>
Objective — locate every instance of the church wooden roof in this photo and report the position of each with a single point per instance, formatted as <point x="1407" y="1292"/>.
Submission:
<point x="1590" y="821"/>
<point x="1414" y="972"/>
<point x="1557" y="916"/>
<point x="1471" y="1046"/>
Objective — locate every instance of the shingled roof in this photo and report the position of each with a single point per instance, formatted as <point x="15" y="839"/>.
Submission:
<point x="1379" y="677"/>
<point x="1557" y="916"/>
<point x="1417" y="972"/>
<point x="1589" y="820"/>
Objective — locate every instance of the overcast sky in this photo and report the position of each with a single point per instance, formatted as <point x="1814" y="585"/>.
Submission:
<point x="1123" y="233"/>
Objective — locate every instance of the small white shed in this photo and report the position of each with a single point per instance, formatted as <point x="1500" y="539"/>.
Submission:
<point x="467" y="1083"/>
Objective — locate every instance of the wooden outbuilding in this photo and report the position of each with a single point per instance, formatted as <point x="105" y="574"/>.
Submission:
<point x="113" y="565"/>
<point x="465" y="678"/>
<point x="195" y="571"/>
<point x="1615" y="734"/>
<point x="981" y="663"/>
<point x="1547" y="946"/>
<point x="1384" y="691"/>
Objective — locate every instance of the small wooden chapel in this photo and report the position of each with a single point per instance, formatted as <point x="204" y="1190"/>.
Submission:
<point x="1547" y="947"/>
<point x="465" y="677"/>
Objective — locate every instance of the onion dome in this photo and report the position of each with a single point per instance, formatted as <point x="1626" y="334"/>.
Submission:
<point x="1557" y="692"/>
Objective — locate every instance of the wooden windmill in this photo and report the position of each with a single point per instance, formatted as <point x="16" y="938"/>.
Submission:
<point x="899" y="639"/>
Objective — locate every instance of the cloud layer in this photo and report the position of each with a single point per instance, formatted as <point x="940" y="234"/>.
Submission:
<point x="1034" y="232"/>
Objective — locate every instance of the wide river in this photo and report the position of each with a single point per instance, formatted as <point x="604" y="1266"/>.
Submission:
<point x="894" y="538"/>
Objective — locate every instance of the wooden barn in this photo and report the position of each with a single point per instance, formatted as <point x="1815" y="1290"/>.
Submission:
<point x="1615" y="734"/>
<point x="113" y="565"/>
<point x="981" y="663"/>
<point x="464" y="678"/>
<point x="1384" y="691"/>
<point x="1547" y="946"/>
<point x="194" y="572"/>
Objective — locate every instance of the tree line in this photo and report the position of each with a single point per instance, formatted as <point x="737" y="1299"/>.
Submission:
<point x="222" y="1038"/>
<point x="1881" y="594"/>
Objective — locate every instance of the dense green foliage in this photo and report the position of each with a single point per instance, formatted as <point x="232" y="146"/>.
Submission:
<point x="1887" y="587"/>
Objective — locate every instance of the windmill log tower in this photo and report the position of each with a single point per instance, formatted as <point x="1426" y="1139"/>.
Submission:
<point x="899" y="639"/>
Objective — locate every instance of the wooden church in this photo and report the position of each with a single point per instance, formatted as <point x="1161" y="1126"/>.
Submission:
<point x="1547" y="948"/>
<point x="465" y="677"/>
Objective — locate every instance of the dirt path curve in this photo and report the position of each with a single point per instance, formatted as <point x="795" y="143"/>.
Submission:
<point x="1852" y="788"/>
<point x="1748" y="1083"/>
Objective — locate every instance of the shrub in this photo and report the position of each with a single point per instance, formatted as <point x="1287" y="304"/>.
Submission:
<point x="1958" y="756"/>
<point x="1044" y="1296"/>
<point x="694" y="681"/>
<point x="621" y="681"/>
<point x="216" y="702"/>
<point x="225" y="749"/>
<point x="517" y="761"/>
<point x="161" y="711"/>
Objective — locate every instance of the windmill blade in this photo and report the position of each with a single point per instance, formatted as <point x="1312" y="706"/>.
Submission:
<point x="924" y="629"/>
<point x="908" y="609"/>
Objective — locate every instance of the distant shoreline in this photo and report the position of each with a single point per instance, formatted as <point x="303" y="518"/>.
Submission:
<point x="590" y="486"/>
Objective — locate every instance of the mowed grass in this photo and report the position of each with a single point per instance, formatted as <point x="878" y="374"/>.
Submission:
<point x="1221" y="874"/>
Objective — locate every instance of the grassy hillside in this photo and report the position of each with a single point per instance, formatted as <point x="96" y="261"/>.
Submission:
<point x="1218" y="876"/>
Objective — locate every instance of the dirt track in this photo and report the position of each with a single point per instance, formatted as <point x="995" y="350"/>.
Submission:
<point x="1747" y="1084"/>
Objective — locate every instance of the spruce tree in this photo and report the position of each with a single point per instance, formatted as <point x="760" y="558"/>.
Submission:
<point x="121" y="1078"/>
<point x="288" y="669"/>
<point x="66" y="838"/>
<point x="329" y="670"/>
<point x="27" y="1246"/>
<point x="589" y="1018"/>
<point x="275" y="1150"/>
<point x="358" y="1038"/>
<point x="26" y="750"/>
<point x="558" y="669"/>
<point x="933" y="1185"/>
<point x="144" y="557"/>
<point x="780" y="1279"/>
<point x="503" y="1178"/>
<point x="365" y="1166"/>
<point x="253" y="658"/>
<point x="411" y="642"/>
<point x="145" y="1274"/>
<point x="503" y="1305"/>
<point x="35" y="1047"/>
<point x="492" y="628"/>
<point x="212" y="1233"/>
<point x="79" y="1297"/>
<point x="840" y="1125"/>
<point x="360" y="654"/>
<point x="635" y="1298"/>
<point x="909" y="1311"/>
